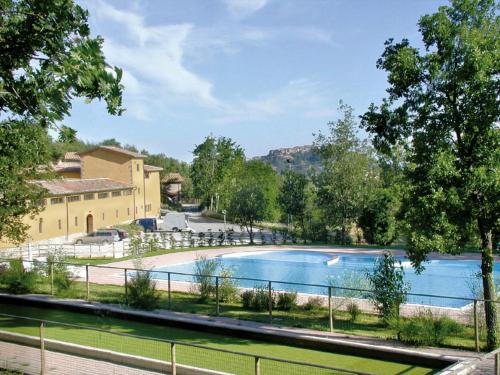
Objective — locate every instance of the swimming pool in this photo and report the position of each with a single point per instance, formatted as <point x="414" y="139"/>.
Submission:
<point x="440" y="277"/>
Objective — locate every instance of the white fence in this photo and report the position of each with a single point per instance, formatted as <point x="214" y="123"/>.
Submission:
<point x="113" y="250"/>
<point x="145" y="242"/>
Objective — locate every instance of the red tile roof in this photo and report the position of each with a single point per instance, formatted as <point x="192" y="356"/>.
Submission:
<point x="152" y="168"/>
<point x="78" y="186"/>
<point x="115" y="149"/>
<point x="71" y="156"/>
<point x="173" y="177"/>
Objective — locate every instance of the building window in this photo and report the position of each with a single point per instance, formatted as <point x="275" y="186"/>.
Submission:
<point x="103" y="215"/>
<point x="76" y="221"/>
<point x="74" y="198"/>
<point x="59" y="224"/>
<point x="43" y="202"/>
<point x="89" y="197"/>
<point x="148" y="207"/>
<point x="116" y="194"/>
<point x="146" y="175"/>
<point x="116" y="213"/>
<point x="56" y="200"/>
<point x="128" y="211"/>
<point x="102" y="195"/>
<point x="127" y="192"/>
<point x="137" y="167"/>
<point x="40" y="225"/>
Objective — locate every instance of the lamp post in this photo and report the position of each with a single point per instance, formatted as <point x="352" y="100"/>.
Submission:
<point x="224" y="212"/>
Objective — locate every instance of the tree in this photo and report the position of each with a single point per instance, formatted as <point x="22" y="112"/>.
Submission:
<point x="67" y="134"/>
<point x="444" y="104"/>
<point x="389" y="288"/>
<point x="292" y="196"/>
<point x="212" y="160"/>
<point x="378" y="217"/>
<point x="248" y="206"/>
<point x="347" y="173"/>
<point x="47" y="58"/>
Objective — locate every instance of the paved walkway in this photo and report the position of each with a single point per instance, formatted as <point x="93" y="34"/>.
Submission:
<point x="27" y="360"/>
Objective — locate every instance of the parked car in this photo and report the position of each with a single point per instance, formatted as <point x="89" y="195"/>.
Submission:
<point x="149" y="224"/>
<point x="121" y="233"/>
<point x="103" y="237"/>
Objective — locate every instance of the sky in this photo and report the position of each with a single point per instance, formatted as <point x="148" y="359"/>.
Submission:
<point x="266" y="73"/>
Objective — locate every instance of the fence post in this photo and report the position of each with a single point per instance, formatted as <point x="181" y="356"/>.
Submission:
<point x="74" y="250"/>
<point x="217" y="295"/>
<point x="114" y="255"/>
<point x="42" y="350"/>
<point x="172" y="358"/>
<point x="169" y="293"/>
<point x="257" y="365"/>
<point x="330" y="309"/>
<point x="126" y="287"/>
<point x="51" y="278"/>
<point x="87" y="282"/>
<point x="270" y="296"/>
<point x="476" y="326"/>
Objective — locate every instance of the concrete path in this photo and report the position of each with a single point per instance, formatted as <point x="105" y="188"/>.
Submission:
<point x="26" y="359"/>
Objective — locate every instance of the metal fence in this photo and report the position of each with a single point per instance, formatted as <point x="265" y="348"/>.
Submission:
<point x="327" y="307"/>
<point x="50" y="347"/>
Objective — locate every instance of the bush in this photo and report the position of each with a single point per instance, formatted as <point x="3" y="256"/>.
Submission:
<point x="353" y="310"/>
<point x="17" y="279"/>
<point x="142" y="291"/>
<point x="424" y="329"/>
<point x="247" y="298"/>
<point x="205" y="269"/>
<point x="257" y="299"/>
<point x="287" y="301"/>
<point x="313" y="303"/>
<point x="261" y="300"/>
<point x="389" y="287"/>
<point x="228" y="288"/>
<point x="63" y="278"/>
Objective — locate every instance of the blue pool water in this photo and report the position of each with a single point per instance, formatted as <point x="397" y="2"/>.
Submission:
<point x="441" y="277"/>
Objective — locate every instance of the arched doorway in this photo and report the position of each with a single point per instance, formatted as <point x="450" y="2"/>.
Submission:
<point x="90" y="223"/>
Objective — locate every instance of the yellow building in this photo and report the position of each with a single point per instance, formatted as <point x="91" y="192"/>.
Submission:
<point x="107" y="186"/>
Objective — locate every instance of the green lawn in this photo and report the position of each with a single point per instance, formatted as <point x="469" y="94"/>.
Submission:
<point x="365" y="325"/>
<point x="186" y="355"/>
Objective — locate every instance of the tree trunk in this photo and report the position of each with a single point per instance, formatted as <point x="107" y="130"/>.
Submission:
<point x="250" y="232"/>
<point x="490" y="306"/>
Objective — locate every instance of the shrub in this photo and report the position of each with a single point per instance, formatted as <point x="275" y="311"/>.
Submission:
<point x="258" y="299"/>
<point x="142" y="291"/>
<point x="204" y="270"/>
<point x="261" y="300"/>
<point x="247" y="298"/>
<point x="424" y="329"/>
<point x="228" y="288"/>
<point x="63" y="278"/>
<point x="313" y="303"/>
<point x="353" y="310"/>
<point x="17" y="279"/>
<point x="389" y="287"/>
<point x="287" y="301"/>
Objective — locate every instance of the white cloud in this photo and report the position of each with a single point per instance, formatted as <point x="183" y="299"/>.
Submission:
<point x="301" y="98"/>
<point x="152" y="60"/>
<point x="244" y="8"/>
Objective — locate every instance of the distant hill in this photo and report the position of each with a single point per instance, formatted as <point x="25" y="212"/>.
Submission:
<point x="301" y="158"/>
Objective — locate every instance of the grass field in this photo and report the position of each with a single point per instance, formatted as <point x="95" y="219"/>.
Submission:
<point x="186" y="355"/>
<point x="317" y="319"/>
